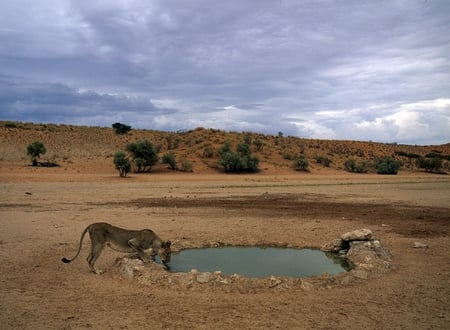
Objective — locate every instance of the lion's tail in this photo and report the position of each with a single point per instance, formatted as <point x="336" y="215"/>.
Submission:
<point x="65" y="260"/>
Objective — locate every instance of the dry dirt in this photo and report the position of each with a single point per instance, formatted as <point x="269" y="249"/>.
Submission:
<point x="43" y="211"/>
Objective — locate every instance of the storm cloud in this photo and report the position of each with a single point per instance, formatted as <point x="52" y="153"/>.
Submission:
<point x="360" y="70"/>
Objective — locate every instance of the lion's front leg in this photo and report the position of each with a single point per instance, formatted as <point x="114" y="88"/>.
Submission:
<point x="139" y="253"/>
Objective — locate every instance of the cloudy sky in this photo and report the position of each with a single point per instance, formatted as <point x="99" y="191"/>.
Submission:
<point x="333" y="69"/>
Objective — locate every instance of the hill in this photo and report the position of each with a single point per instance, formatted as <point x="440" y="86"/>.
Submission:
<point x="91" y="149"/>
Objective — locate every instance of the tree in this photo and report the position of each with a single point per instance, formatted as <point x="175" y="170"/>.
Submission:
<point x="301" y="163"/>
<point x="122" y="164"/>
<point x="387" y="165"/>
<point x="144" y="154"/>
<point x="35" y="150"/>
<point x="121" y="128"/>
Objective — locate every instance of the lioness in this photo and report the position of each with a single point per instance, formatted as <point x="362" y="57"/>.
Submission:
<point x="143" y="243"/>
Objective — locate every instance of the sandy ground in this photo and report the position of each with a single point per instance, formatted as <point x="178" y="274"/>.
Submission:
<point x="42" y="214"/>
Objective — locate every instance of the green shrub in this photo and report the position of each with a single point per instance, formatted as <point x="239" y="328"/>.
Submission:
<point x="240" y="161"/>
<point x="352" y="166"/>
<point x="323" y="160"/>
<point x="301" y="163"/>
<point x="122" y="163"/>
<point x="169" y="158"/>
<point x="144" y="154"/>
<point x="387" y="165"/>
<point x="35" y="150"/>
<point x="429" y="164"/>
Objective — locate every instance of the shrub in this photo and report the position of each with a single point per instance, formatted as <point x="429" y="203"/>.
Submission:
<point x="121" y="128"/>
<point x="186" y="166"/>
<point x="259" y="144"/>
<point x="301" y="163"/>
<point x="351" y="166"/>
<point x="240" y="161"/>
<point x="323" y="160"/>
<point x="10" y="124"/>
<point x="288" y="154"/>
<point x="387" y="165"/>
<point x="144" y="154"/>
<point x="169" y="158"/>
<point x="208" y="152"/>
<point x="122" y="163"/>
<point x="429" y="164"/>
<point x="35" y="150"/>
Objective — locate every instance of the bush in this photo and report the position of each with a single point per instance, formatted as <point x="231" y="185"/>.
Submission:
<point x="351" y="166"/>
<point x="169" y="158"/>
<point x="121" y="163"/>
<point x="301" y="163"/>
<point x="186" y="166"/>
<point x="121" y="128"/>
<point x="259" y="145"/>
<point x="387" y="165"/>
<point x="323" y="160"/>
<point x="208" y="152"/>
<point x="144" y="154"/>
<point x="429" y="164"/>
<point x="35" y="150"/>
<point x="240" y="161"/>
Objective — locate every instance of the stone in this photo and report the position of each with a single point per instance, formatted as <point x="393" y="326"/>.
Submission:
<point x="335" y="246"/>
<point x="419" y="245"/>
<point x="204" y="277"/>
<point x="361" y="274"/>
<point x="307" y="286"/>
<point x="357" y="235"/>
<point x="129" y="268"/>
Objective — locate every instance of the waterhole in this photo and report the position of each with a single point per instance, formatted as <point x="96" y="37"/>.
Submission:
<point x="259" y="262"/>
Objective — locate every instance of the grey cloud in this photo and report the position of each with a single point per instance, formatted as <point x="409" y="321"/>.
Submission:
<point x="310" y="68"/>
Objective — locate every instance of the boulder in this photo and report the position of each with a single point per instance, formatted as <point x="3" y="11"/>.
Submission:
<point x="357" y="235"/>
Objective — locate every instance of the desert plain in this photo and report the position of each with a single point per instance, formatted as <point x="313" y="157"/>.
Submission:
<point x="44" y="210"/>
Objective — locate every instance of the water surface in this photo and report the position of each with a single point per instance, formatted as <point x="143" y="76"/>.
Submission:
<point x="259" y="261"/>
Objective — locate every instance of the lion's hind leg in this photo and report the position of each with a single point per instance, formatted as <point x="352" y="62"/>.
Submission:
<point x="96" y="250"/>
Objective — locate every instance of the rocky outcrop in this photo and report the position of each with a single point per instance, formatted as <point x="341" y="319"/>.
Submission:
<point x="363" y="250"/>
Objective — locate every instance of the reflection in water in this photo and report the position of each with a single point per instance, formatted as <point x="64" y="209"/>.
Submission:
<point x="259" y="262"/>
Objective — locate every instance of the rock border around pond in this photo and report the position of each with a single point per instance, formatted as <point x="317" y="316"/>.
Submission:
<point x="365" y="253"/>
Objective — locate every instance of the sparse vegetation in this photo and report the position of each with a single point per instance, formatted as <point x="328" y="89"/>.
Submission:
<point x="10" y="124"/>
<point x="325" y="161"/>
<point x="301" y="163"/>
<point x="122" y="163"/>
<point x="186" y="166"/>
<point x="97" y="145"/>
<point x="35" y="150"/>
